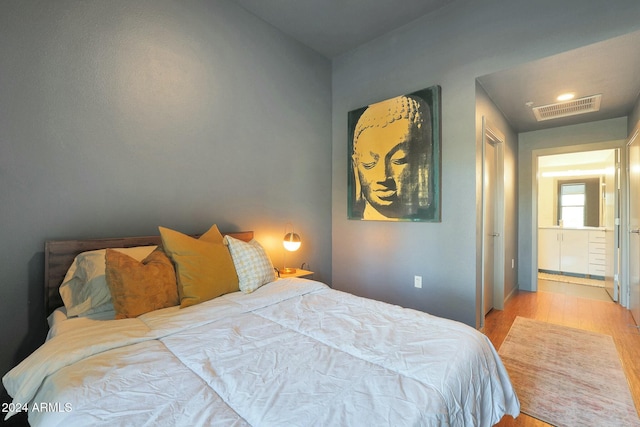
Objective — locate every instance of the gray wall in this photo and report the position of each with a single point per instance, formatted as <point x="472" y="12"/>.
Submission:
<point x="451" y="47"/>
<point x="604" y="132"/>
<point x="119" y="116"/>
<point x="487" y="109"/>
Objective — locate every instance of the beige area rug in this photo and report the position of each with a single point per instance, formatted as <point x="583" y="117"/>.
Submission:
<point x="571" y="279"/>
<point x="566" y="376"/>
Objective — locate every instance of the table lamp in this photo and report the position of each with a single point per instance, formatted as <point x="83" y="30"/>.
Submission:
<point x="291" y="243"/>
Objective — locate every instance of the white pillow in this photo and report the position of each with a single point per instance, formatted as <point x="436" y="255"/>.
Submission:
<point x="84" y="289"/>
<point x="253" y="266"/>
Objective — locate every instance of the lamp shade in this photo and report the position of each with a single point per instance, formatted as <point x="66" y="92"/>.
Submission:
<point x="291" y="242"/>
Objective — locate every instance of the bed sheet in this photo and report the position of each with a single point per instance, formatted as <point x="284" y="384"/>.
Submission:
<point x="292" y="353"/>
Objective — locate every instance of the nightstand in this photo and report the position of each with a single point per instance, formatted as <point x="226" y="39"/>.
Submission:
<point x="299" y="273"/>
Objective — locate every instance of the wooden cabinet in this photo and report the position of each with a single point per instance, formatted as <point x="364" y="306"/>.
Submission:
<point x="574" y="251"/>
<point x="597" y="253"/>
<point x="549" y="249"/>
<point x="564" y="250"/>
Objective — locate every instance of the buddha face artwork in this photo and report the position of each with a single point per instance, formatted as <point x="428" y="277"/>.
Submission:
<point x="394" y="167"/>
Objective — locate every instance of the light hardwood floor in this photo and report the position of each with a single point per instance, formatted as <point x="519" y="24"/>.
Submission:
<point x="573" y="310"/>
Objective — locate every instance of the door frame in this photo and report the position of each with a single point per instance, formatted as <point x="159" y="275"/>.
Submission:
<point x="492" y="135"/>
<point x="625" y="227"/>
<point x="623" y="206"/>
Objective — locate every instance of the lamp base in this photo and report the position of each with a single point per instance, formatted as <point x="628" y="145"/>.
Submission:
<point x="287" y="270"/>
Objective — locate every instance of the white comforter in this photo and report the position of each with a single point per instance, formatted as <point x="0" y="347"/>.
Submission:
<point x="293" y="353"/>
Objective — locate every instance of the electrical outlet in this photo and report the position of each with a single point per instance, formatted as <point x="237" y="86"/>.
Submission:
<point x="417" y="281"/>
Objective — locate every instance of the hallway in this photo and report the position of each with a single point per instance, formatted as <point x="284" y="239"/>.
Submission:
<point x="567" y="305"/>
<point x="574" y="289"/>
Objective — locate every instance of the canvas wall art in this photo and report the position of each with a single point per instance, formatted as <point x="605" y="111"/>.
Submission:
<point x="394" y="159"/>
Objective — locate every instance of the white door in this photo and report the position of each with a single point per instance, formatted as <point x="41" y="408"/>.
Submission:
<point x="634" y="224"/>
<point x="490" y="234"/>
<point x="574" y="251"/>
<point x="492" y="219"/>
<point x="549" y="249"/>
<point x="611" y="190"/>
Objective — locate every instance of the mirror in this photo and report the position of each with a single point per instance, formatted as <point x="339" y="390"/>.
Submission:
<point x="572" y="188"/>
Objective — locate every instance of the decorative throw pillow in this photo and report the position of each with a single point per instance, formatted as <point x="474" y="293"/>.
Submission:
<point x="84" y="289"/>
<point x="204" y="267"/>
<point x="252" y="264"/>
<point x="138" y="287"/>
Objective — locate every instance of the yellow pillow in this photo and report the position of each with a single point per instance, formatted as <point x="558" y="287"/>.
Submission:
<point x="204" y="266"/>
<point x="138" y="287"/>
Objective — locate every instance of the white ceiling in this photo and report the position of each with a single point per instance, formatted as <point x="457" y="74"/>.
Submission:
<point x="610" y="68"/>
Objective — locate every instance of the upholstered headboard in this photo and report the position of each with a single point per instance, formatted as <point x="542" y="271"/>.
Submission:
<point x="59" y="255"/>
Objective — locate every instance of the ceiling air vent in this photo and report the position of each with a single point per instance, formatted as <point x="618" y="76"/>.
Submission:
<point x="587" y="104"/>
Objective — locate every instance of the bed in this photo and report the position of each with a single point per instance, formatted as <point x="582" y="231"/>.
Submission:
<point x="290" y="352"/>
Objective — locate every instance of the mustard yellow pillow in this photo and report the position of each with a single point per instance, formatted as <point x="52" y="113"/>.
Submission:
<point x="204" y="267"/>
<point x="138" y="287"/>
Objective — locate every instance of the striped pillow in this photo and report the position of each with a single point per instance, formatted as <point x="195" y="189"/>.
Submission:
<point x="253" y="266"/>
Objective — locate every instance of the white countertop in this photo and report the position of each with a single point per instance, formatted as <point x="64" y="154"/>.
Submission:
<point x="574" y="228"/>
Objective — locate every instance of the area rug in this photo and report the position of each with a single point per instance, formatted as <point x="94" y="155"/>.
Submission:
<point x="566" y="376"/>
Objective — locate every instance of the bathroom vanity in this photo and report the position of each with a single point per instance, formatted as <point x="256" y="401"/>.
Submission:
<point x="572" y="250"/>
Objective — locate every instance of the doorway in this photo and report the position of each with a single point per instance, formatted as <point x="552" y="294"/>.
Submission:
<point x="633" y="151"/>
<point x="493" y="256"/>
<point x="578" y="205"/>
